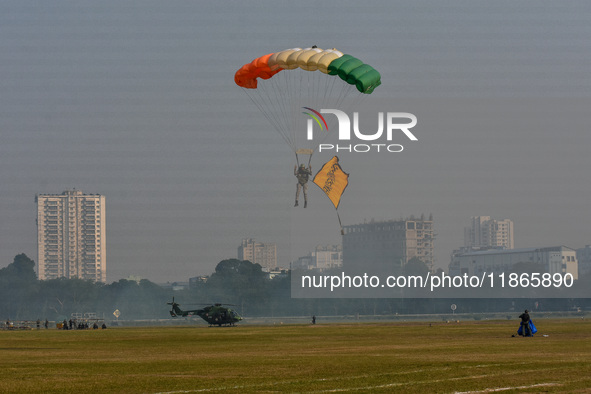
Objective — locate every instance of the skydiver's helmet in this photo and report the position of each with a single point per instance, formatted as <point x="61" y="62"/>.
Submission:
<point x="302" y="166"/>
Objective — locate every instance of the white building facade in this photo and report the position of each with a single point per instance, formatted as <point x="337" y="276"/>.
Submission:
<point x="71" y="236"/>
<point x="557" y="259"/>
<point x="584" y="259"/>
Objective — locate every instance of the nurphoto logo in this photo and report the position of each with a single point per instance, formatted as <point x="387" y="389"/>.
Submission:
<point x="397" y="124"/>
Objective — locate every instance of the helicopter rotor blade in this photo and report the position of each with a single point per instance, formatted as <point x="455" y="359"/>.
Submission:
<point x="202" y="304"/>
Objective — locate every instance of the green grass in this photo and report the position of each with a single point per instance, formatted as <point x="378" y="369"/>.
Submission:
<point x="370" y="357"/>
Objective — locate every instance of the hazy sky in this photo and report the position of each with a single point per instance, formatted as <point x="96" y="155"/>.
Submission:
<point x="137" y="101"/>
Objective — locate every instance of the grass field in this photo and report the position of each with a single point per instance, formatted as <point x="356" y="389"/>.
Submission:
<point x="370" y="357"/>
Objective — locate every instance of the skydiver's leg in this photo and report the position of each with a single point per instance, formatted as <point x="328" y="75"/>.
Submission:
<point x="297" y="194"/>
<point x="305" y="187"/>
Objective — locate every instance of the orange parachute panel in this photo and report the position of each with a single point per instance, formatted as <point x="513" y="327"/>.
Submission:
<point x="247" y="76"/>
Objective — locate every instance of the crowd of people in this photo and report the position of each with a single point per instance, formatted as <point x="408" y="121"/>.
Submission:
<point x="72" y="324"/>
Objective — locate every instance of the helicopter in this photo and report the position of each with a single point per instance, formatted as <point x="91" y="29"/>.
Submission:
<point x="215" y="314"/>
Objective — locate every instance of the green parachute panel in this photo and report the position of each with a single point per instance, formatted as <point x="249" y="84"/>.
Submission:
<point x="347" y="67"/>
<point x="355" y="72"/>
<point x="333" y="67"/>
<point x="368" y="81"/>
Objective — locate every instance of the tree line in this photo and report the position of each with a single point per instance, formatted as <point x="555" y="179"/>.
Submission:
<point x="238" y="282"/>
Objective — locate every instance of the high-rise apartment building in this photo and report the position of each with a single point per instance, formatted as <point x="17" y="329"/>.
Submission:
<point x="71" y="241"/>
<point x="389" y="244"/>
<point x="489" y="233"/>
<point x="258" y="253"/>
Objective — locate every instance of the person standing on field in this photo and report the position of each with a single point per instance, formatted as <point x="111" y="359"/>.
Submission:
<point x="525" y="330"/>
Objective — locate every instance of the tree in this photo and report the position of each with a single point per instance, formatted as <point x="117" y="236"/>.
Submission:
<point x="240" y="282"/>
<point x="22" y="269"/>
<point x="61" y="297"/>
<point x="18" y="284"/>
<point x="416" y="266"/>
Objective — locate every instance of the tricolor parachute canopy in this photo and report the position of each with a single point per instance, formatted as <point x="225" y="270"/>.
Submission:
<point x="328" y="61"/>
<point x="283" y="83"/>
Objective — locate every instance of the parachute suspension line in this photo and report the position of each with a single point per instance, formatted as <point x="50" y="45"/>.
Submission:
<point x="304" y="90"/>
<point x="281" y="97"/>
<point x="273" y="103"/>
<point x="296" y="91"/>
<point x="266" y="100"/>
<point x="259" y="102"/>
<point x="287" y="85"/>
<point x="330" y="84"/>
<point x="323" y="86"/>
<point x="278" y="106"/>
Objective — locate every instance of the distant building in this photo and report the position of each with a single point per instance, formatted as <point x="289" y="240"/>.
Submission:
<point x="328" y="256"/>
<point x="277" y="273"/>
<point x="489" y="233"/>
<point x="71" y="236"/>
<point x="556" y="259"/>
<point x="258" y="253"/>
<point x="467" y="249"/>
<point x="196" y="280"/>
<point x="389" y="243"/>
<point x="323" y="257"/>
<point x="307" y="262"/>
<point x="584" y="259"/>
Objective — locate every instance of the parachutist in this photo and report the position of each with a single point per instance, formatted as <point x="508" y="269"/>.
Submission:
<point x="525" y="328"/>
<point x="303" y="174"/>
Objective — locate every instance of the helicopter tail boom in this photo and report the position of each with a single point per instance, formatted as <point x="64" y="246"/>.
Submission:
<point x="175" y="310"/>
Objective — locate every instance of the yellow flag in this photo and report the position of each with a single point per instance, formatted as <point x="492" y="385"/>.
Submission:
<point x="332" y="180"/>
